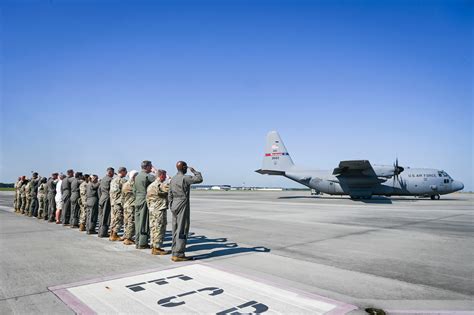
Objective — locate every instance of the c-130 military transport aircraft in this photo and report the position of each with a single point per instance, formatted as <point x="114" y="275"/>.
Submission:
<point x="358" y="178"/>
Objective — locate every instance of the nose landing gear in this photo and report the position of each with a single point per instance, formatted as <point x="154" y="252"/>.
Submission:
<point x="435" y="197"/>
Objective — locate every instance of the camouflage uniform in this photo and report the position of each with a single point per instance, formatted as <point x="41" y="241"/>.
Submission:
<point x="23" y="198"/>
<point x="83" y="202"/>
<point x="34" y="196"/>
<point x="116" y="203"/>
<point x="46" y="201"/>
<point x="28" y="198"/>
<point x="17" y="196"/>
<point x="128" y="202"/>
<point x="157" y="202"/>
<point x="42" y="212"/>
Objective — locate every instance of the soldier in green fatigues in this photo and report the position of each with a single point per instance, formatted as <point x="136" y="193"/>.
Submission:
<point x="75" y="206"/>
<point x="116" y="203"/>
<point x="128" y="202"/>
<point x="51" y="183"/>
<point x="46" y="201"/>
<point x="16" y="202"/>
<point x="34" y="183"/>
<point x="83" y="203"/>
<point x="42" y="199"/>
<point x="92" y="202"/>
<point x="28" y="198"/>
<point x="23" y="198"/>
<point x="157" y="201"/>
<point x="66" y="198"/>
<point x="104" y="203"/>
<point x="180" y="188"/>
<point x="141" y="209"/>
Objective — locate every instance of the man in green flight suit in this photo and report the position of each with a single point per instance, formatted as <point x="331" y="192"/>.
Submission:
<point x="180" y="189"/>
<point x="104" y="203"/>
<point x="142" y="229"/>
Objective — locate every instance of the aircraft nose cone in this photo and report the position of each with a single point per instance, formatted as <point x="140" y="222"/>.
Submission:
<point x="457" y="185"/>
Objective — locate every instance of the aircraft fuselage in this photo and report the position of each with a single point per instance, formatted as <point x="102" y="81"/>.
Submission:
<point x="412" y="182"/>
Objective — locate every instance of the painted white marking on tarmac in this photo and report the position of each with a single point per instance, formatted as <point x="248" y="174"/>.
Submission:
<point x="193" y="289"/>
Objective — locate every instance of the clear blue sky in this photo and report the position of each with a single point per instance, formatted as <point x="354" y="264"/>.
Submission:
<point x="90" y="84"/>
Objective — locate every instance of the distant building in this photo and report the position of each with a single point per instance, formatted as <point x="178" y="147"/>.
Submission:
<point x="211" y="187"/>
<point x="268" y="188"/>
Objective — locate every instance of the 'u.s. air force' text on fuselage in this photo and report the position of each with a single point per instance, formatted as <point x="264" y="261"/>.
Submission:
<point x="358" y="178"/>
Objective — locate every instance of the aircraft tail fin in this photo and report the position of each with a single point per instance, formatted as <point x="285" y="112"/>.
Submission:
<point x="277" y="160"/>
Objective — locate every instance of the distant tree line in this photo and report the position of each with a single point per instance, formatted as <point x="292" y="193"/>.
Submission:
<point x="4" y="185"/>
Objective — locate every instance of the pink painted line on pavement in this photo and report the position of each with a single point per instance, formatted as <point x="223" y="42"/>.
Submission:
<point x="73" y="302"/>
<point x="434" y="312"/>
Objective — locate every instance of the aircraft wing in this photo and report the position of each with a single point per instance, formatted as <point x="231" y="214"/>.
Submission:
<point x="360" y="168"/>
<point x="270" y="172"/>
<point x="357" y="176"/>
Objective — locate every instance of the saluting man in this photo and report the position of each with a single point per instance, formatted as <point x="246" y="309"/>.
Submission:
<point x="180" y="189"/>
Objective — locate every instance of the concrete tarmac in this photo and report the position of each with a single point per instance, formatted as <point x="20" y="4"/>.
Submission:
<point x="404" y="255"/>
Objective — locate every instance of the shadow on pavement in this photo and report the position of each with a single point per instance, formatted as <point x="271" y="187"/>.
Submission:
<point x="374" y="199"/>
<point x="215" y="247"/>
<point x="232" y="251"/>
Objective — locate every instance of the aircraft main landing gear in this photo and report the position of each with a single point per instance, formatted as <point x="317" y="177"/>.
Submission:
<point x="360" y="197"/>
<point x="435" y="197"/>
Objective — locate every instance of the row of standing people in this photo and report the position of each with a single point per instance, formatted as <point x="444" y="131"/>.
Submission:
<point x="138" y="204"/>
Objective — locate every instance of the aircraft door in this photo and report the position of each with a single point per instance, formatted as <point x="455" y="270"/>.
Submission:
<point x="331" y="188"/>
<point x="326" y="186"/>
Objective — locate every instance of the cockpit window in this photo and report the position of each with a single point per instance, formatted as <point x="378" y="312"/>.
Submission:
<point x="443" y="173"/>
